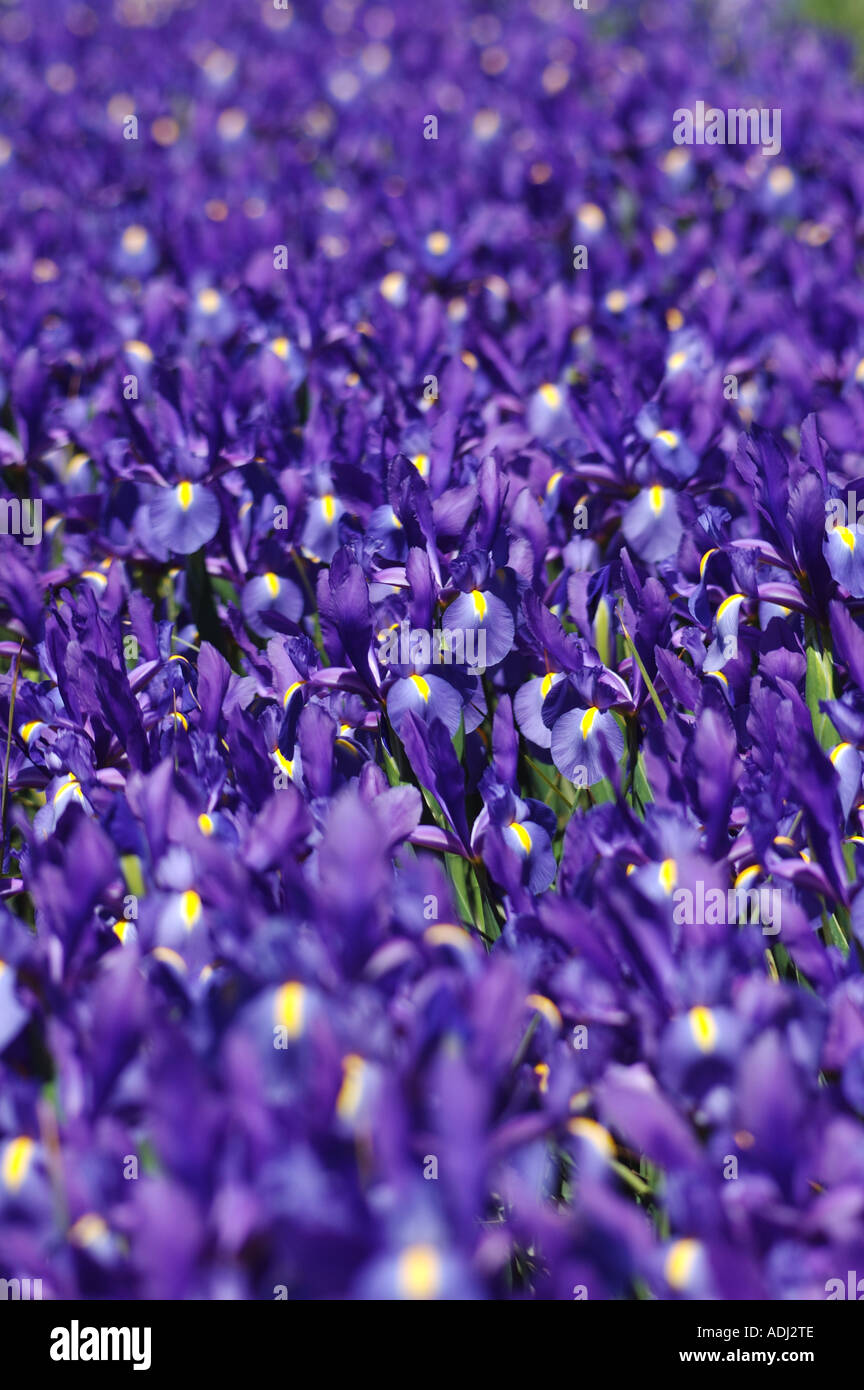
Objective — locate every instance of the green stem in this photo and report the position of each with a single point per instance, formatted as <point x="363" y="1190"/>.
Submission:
<point x="639" y="662"/>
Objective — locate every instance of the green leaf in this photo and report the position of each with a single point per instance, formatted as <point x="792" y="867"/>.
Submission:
<point x="131" y="866"/>
<point x="457" y="870"/>
<point x="601" y="631"/>
<point x="641" y="785"/>
<point x="631" y="647"/>
<point x="820" y="686"/>
<point x="459" y="738"/>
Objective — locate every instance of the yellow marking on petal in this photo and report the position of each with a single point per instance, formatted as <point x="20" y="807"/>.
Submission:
<point x="545" y="1007"/>
<point x="26" y="731"/>
<point x="421" y="463"/>
<point x="98" y="578"/>
<point x="598" y="1137"/>
<point x="438" y="243"/>
<point x="281" y="347"/>
<point x="835" y="752"/>
<point x="676" y="361"/>
<point x="784" y="840"/>
<point x="655" y="500"/>
<point x="546" y="684"/>
<point x="664" y="240"/>
<point x="846" y="536"/>
<point x="232" y="122"/>
<point x="781" y="180"/>
<point x="422" y="686"/>
<point x="522" y="835"/>
<point x="45" y="270"/>
<point x="17" y="1160"/>
<point x="747" y="876"/>
<point x="480" y="604"/>
<point x="859" y="371"/>
<point x="553" y="480"/>
<point x="447" y="934"/>
<point x="592" y="217"/>
<point x="681" y="1262"/>
<point x="720" y="676"/>
<point x="209" y="301"/>
<point x="205" y="824"/>
<point x="392" y="286"/>
<point x="88" y="1229"/>
<point x="185" y="495"/>
<point x="286" y="764"/>
<point x="351" y="1090"/>
<point x="486" y="123"/>
<point x="134" y="239"/>
<point x="668" y="875"/>
<point x="190" y="908"/>
<point x="551" y="395"/>
<point x="498" y="286"/>
<point x="630" y="869"/>
<point x="418" y="1273"/>
<point x="71" y="784"/>
<point x="180" y="718"/>
<point x="668" y="437"/>
<point x="587" y="721"/>
<point x="674" y="319"/>
<point x="295" y="685"/>
<point x="727" y="602"/>
<point x="705" y="558"/>
<point x="271" y="580"/>
<point x="290" y="1007"/>
<point x="470" y="360"/>
<point x="675" y="160"/>
<point x="165" y="131"/>
<point x="703" y="1026"/>
<point x="120" y="928"/>
<point x="328" y="507"/>
<point x="616" y="301"/>
<point x="169" y="957"/>
<point x="541" y="1071"/>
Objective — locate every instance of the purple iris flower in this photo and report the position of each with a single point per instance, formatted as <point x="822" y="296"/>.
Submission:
<point x="522" y="961"/>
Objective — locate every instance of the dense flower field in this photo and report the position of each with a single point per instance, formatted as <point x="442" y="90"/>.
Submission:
<point x="432" y="690"/>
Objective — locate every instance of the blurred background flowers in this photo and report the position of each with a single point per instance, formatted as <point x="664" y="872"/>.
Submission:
<point x="329" y="977"/>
